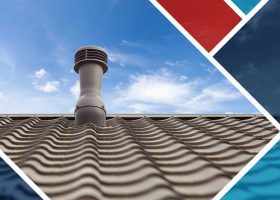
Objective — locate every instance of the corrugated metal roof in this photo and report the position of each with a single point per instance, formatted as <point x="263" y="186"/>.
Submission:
<point x="181" y="157"/>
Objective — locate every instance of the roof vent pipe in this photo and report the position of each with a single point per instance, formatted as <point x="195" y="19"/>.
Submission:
<point x="90" y="64"/>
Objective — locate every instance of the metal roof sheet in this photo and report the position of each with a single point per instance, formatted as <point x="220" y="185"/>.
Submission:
<point x="152" y="157"/>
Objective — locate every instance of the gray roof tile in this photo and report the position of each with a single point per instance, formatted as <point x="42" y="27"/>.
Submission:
<point x="145" y="158"/>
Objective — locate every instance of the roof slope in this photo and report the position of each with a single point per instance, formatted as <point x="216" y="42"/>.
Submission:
<point x="145" y="158"/>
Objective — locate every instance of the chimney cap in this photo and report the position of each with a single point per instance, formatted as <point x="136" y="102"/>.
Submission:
<point x="91" y="47"/>
<point x="91" y="54"/>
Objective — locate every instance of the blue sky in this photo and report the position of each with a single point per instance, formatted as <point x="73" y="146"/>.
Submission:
<point x="152" y="67"/>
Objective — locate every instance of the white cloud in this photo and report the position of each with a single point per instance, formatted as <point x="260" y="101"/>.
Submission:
<point x="44" y="104"/>
<point x="177" y="63"/>
<point x="124" y="59"/>
<point x="48" y="87"/>
<point x="40" y="73"/>
<point x="183" y="78"/>
<point x="140" y="108"/>
<point x="75" y="89"/>
<point x="233" y="113"/>
<point x="156" y="88"/>
<point x="64" y="80"/>
<point x="219" y="92"/>
<point x="185" y="63"/>
<point x="210" y="99"/>
<point x="208" y="68"/>
<point x="134" y="44"/>
<point x="162" y="92"/>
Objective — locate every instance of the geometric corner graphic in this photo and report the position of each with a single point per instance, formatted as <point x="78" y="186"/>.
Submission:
<point x="246" y="5"/>
<point x="207" y="21"/>
<point x="198" y="24"/>
<point x="12" y="186"/>
<point x="170" y="13"/>
<point x="252" y="57"/>
<point x="262" y="181"/>
<point x="13" y="179"/>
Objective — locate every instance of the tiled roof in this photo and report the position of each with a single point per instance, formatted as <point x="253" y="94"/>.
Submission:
<point x="145" y="158"/>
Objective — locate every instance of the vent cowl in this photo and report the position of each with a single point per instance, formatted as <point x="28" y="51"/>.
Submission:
<point x="90" y="64"/>
<point x="91" y="54"/>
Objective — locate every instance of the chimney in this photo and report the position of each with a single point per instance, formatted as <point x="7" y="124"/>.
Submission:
<point x="90" y="64"/>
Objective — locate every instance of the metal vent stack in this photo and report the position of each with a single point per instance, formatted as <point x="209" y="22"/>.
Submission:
<point x="90" y="64"/>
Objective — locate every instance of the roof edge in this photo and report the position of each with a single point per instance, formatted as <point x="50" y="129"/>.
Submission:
<point x="134" y="115"/>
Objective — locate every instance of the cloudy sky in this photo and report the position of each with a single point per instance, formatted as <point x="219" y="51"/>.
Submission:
<point x="152" y="67"/>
